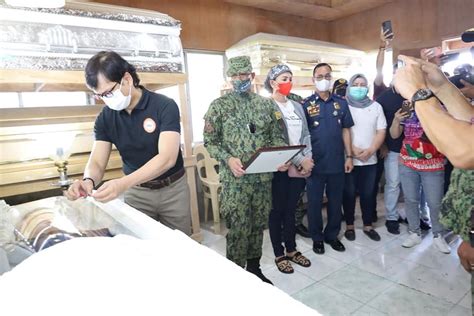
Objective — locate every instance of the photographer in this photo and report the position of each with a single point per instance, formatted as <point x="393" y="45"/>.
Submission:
<point x="420" y="163"/>
<point x="452" y="133"/>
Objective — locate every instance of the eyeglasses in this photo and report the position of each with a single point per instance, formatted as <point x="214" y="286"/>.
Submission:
<point x="321" y="77"/>
<point x="106" y="94"/>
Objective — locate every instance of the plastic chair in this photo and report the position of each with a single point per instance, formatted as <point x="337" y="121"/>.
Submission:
<point x="207" y="169"/>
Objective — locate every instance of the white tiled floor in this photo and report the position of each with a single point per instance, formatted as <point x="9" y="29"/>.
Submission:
<point x="370" y="278"/>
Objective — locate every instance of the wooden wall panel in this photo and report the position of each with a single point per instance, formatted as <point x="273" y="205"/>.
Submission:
<point x="216" y="25"/>
<point x="416" y="23"/>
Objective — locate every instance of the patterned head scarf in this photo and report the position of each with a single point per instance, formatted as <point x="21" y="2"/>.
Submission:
<point x="274" y="73"/>
<point x="238" y="65"/>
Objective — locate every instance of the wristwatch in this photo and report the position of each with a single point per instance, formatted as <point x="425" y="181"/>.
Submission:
<point x="89" y="178"/>
<point x="422" y="94"/>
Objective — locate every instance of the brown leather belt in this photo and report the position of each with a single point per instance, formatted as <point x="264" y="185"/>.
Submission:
<point x="158" y="184"/>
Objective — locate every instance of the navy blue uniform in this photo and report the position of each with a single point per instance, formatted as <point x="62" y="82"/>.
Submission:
<point x="326" y="119"/>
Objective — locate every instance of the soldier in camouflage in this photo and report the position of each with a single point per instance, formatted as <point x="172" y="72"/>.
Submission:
<point x="457" y="213"/>
<point x="458" y="203"/>
<point x="236" y="125"/>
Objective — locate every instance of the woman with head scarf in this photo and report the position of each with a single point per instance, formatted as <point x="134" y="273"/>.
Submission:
<point x="287" y="186"/>
<point x="368" y="134"/>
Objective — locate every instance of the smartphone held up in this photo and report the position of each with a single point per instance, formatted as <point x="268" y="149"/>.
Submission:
<point x="387" y="29"/>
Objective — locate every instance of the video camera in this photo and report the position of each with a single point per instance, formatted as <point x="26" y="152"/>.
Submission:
<point x="464" y="72"/>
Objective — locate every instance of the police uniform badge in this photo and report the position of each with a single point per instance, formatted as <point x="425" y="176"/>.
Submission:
<point x="313" y="110"/>
<point x="337" y="106"/>
<point x="278" y="115"/>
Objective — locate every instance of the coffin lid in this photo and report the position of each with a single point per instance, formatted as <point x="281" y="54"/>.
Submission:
<point x="301" y="54"/>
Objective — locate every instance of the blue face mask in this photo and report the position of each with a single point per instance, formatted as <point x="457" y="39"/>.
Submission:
<point x="242" y="86"/>
<point x="358" y="93"/>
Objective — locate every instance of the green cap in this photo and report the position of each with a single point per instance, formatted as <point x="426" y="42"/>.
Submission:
<point x="239" y="65"/>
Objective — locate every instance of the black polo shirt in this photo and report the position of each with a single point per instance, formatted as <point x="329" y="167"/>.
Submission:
<point x="391" y="102"/>
<point x="136" y="135"/>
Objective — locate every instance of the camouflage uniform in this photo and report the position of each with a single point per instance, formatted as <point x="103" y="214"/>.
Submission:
<point x="458" y="207"/>
<point x="300" y="211"/>
<point x="458" y="204"/>
<point x="245" y="201"/>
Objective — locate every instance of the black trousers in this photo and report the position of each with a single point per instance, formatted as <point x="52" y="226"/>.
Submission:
<point x="378" y="176"/>
<point x="334" y="185"/>
<point x="286" y="192"/>
<point x="361" y="180"/>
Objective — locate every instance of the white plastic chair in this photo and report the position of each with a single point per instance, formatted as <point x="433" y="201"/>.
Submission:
<point x="207" y="169"/>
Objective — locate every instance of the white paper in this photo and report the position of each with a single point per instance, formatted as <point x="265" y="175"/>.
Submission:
<point x="269" y="161"/>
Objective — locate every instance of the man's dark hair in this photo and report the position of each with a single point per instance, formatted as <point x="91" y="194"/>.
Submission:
<point x="321" y="65"/>
<point x="112" y="66"/>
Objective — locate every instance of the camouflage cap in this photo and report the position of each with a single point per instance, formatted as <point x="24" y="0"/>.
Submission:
<point x="238" y="65"/>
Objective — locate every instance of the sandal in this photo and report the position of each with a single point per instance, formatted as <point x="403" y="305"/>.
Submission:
<point x="350" y="234"/>
<point x="284" y="265"/>
<point x="298" y="258"/>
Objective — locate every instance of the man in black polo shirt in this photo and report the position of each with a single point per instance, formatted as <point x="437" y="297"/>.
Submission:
<point x="145" y="128"/>
<point x="391" y="102"/>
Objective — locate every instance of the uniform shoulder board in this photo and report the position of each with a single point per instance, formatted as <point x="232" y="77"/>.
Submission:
<point x="340" y="99"/>
<point x="303" y="102"/>
<point x="335" y="96"/>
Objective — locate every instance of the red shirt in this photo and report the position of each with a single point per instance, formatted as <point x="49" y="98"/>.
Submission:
<point x="417" y="152"/>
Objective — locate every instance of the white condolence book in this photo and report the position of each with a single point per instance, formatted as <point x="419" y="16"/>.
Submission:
<point x="268" y="159"/>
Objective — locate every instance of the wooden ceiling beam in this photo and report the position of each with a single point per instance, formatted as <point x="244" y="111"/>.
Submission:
<point x="322" y="3"/>
<point x="323" y="10"/>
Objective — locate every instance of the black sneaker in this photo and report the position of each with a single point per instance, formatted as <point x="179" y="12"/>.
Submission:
<point x="393" y="227"/>
<point x="302" y="231"/>
<point x="336" y="245"/>
<point x="350" y="234"/>
<point x="424" y="225"/>
<point x="318" y="247"/>
<point x="253" y="266"/>
<point x="372" y="234"/>
<point x="260" y="275"/>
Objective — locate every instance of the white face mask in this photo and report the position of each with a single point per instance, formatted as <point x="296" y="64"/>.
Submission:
<point x="322" y="85"/>
<point x="118" y="101"/>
